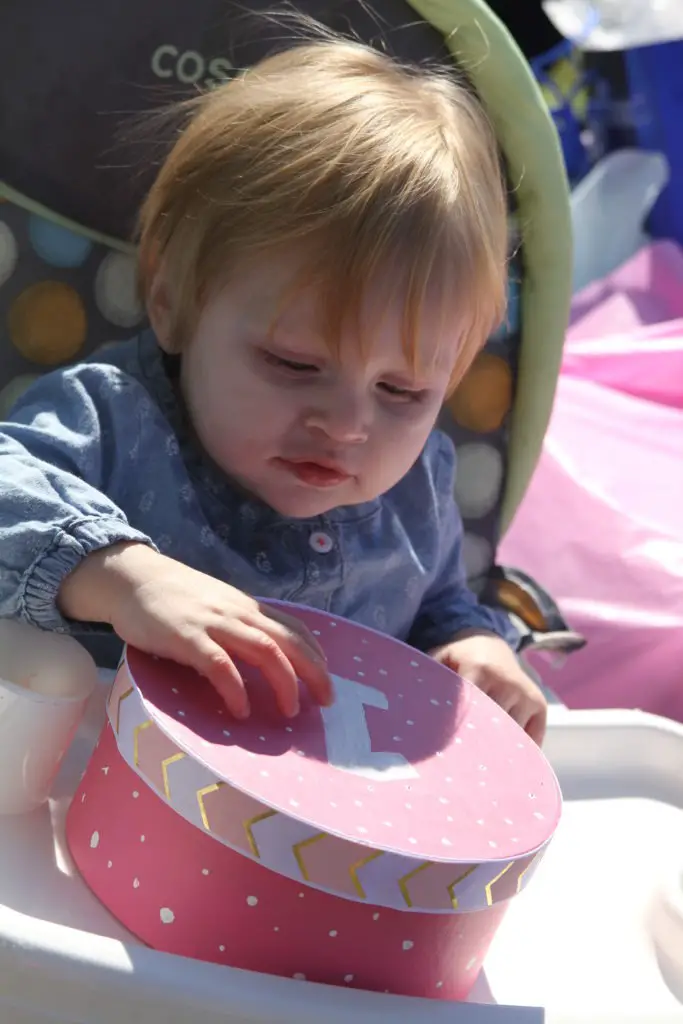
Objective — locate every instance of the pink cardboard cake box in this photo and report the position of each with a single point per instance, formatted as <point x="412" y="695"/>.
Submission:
<point x="375" y="843"/>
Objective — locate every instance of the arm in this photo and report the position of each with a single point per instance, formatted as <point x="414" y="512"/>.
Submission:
<point x="450" y="609"/>
<point x="53" y="474"/>
<point x="464" y="635"/>
<point x="68" y="553"/>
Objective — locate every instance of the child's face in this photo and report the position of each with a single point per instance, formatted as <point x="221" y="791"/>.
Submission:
<point x="301" y="429"/>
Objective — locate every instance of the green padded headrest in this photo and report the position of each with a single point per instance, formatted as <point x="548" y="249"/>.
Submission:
<point x="484" y="48"/>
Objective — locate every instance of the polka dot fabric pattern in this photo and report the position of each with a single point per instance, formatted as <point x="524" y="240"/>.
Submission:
<point x="63" y="296"/>
<point x="476" y="418"/>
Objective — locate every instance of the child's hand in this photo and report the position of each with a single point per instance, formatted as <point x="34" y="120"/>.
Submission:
<point x="165" y="608"/>
<point x="488" y="662"/>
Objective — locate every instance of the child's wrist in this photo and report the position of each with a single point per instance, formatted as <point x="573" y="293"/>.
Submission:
<point x="475" y="631"/>
<point x="103" y="580"/>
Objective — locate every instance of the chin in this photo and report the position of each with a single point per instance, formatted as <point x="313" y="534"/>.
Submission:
<point x="293" y="507"/>
<point x="306" y="504"/>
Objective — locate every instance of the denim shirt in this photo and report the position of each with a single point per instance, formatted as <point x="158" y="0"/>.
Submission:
<point x="102" y="452"/>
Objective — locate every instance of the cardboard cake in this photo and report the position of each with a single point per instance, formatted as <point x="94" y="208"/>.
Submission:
<point x="375" y="843"/>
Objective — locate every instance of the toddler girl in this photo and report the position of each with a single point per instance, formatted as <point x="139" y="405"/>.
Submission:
<point x="322" y="255"/>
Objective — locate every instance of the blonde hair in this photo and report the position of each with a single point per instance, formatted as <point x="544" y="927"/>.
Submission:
<point x="367" y="165"/>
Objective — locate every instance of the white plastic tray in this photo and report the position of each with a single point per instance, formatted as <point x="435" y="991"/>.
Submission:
<point x="597" y="937"/>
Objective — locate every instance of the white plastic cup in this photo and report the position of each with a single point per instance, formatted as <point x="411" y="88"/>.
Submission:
<point x="45" y="682"/>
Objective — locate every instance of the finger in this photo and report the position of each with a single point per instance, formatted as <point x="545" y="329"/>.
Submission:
<point x="212" y="661"/>
<point x="263" y="651"/>
<point x="475" y="674"/>
<point x="529" y="717"/>
<point x="536" y="726"/>
<point x="505" y="697"/>
<point x="306" y="663"/>
<point x="295" y="626"/>
<point x="443" y="655"/>
<point x="518" y="714"/>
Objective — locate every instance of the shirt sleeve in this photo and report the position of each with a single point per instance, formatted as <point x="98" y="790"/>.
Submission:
<point x="449" y="606"/>
<point x="54" y="464"/>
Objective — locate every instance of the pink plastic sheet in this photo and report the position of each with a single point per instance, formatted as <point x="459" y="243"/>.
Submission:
<point x="602" y="524"/>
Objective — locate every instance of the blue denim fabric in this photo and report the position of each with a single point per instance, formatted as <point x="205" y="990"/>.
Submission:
<point x="101" y="452"/>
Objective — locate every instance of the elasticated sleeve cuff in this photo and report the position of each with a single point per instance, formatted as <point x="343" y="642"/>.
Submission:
<point x="431" y="632"/>
<point x="69" y="546"/>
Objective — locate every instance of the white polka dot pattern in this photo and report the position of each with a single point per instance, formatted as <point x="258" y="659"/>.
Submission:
<point x="479" y="479"/>
<point x="477" y="554"/>
<point x="183" y="893"/>
<point x="304" y="815"/>
<point x="116" y="290"/>
<point x="8" y="252"/>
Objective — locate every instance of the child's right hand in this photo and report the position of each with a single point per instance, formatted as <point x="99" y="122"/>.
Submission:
<point x="165" y="608"/>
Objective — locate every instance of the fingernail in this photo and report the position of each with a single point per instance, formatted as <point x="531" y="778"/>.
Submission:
<point x="294" y="710"/>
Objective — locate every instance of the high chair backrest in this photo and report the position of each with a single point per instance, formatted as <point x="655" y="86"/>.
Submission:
<point x="74" y="74"/>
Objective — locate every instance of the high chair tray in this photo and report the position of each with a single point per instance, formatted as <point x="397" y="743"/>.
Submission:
<point x="597" y="937"/>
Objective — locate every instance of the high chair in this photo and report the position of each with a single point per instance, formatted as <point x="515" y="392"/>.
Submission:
<point x="72" y="176"/>
<point x="73" y="168"/>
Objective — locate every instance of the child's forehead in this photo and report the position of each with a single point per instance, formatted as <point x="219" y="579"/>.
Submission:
<point x="289" y="302"/>
<point x="277" y="299"/>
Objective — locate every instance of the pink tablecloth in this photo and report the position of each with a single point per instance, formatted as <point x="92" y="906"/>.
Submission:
<point x="602" y="524"/>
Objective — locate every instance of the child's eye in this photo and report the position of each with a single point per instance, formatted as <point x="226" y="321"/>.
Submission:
<point x="402" y="394"/>
<point x="289" y="364"/>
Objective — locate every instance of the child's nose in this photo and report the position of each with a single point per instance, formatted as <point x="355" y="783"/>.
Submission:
<point x="345" y="421"/>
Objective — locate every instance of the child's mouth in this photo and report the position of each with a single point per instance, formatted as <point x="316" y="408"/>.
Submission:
<point x="314" y="474"/>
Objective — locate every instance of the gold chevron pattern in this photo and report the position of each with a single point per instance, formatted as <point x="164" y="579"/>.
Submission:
<point x="248" y="827"/>
<point x="404" y="881"/>
<point x="201" y="793"/>
<point x="522" y="874"/>
<point x="458" y="880"/>
<point x="136" y="740"/>
<point x="299" y="849"/>
<point x="118" y="708"/>
<point x="355" y="868"/>
<point x="165" y="764"/>
<point x="488" y="888"/>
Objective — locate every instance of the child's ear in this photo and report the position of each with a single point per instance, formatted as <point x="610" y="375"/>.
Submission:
<point x="159" y="310"/>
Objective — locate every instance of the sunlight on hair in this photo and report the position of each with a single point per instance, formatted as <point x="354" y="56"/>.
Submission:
<point x="370" y="168"/>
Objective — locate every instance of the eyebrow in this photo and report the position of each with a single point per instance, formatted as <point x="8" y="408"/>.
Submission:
<point x="413" y="381"/>
<point x="279" y="330"/>
<point x="294" y="348"/>
<point x="316" y="350"/>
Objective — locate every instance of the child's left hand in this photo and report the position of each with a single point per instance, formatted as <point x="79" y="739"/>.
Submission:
<point x="488" y="662"/>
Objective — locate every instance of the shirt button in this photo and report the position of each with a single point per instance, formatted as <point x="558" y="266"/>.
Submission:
<point x="321" y="542"/>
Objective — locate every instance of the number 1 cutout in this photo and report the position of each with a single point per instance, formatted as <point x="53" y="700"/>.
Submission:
<point x="347" y="736"/>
